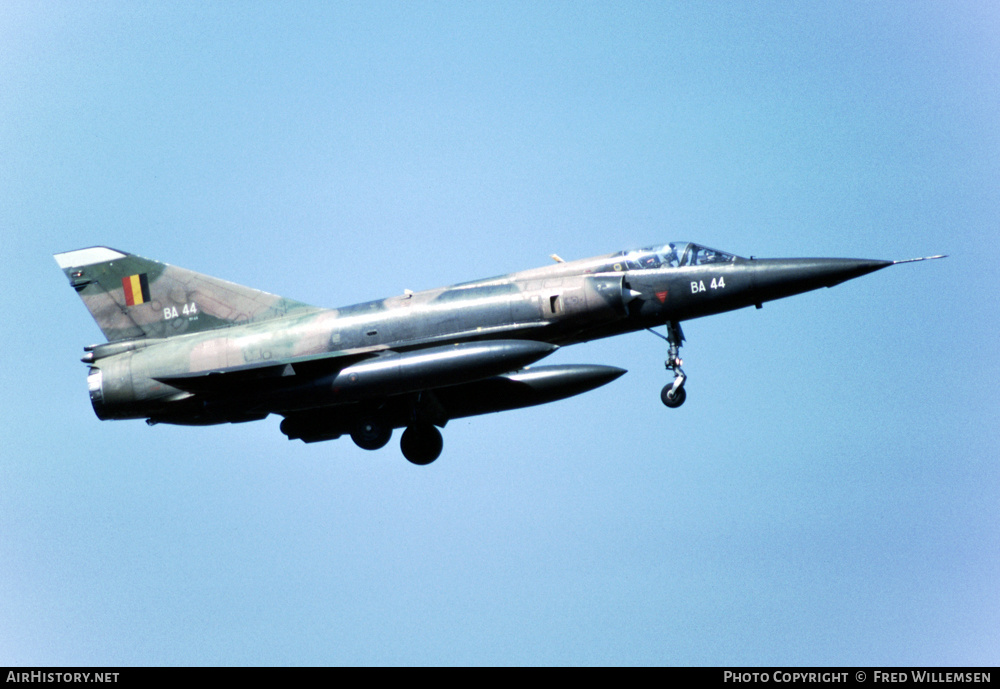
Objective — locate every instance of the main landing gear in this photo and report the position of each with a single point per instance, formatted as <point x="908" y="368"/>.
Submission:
<point x="421" y="443"/>
<point x="370" y="434"/>
<point x="673" y="394"/>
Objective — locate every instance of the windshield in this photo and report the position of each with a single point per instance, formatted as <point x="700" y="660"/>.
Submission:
<point x="673" y="255"/>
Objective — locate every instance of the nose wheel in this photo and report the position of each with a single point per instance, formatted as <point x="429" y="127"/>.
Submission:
<point x="673" y="394"/>
<point x="672" y="398"/>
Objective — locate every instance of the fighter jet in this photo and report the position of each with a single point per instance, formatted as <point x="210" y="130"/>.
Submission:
<point x="186" y="348"/>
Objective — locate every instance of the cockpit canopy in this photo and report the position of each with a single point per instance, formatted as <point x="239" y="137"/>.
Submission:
<point x="673" y="255"/>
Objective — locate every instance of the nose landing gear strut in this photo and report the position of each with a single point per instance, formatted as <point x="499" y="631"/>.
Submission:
<point x="673" y="394"/>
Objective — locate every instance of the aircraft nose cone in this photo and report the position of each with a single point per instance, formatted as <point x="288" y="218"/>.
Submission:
<point x="782" y="277"/>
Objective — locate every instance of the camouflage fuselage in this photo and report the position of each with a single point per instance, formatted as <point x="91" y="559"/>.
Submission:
<point x="563" y="304"/>
<point x="192" y="349"/>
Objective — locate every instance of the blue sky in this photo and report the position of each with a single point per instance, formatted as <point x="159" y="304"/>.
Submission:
<point x="826" y="496"/>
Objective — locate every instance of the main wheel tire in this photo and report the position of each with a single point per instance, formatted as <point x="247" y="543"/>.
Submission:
<point x="673" y="400"/>
<point x="421" y="444"/>
<point x="369" y="434"/>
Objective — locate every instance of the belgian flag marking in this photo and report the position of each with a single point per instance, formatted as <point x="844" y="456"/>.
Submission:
<point x="136" y="289"/>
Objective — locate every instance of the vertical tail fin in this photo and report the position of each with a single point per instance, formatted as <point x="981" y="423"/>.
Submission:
<point x="134" y="297"/>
